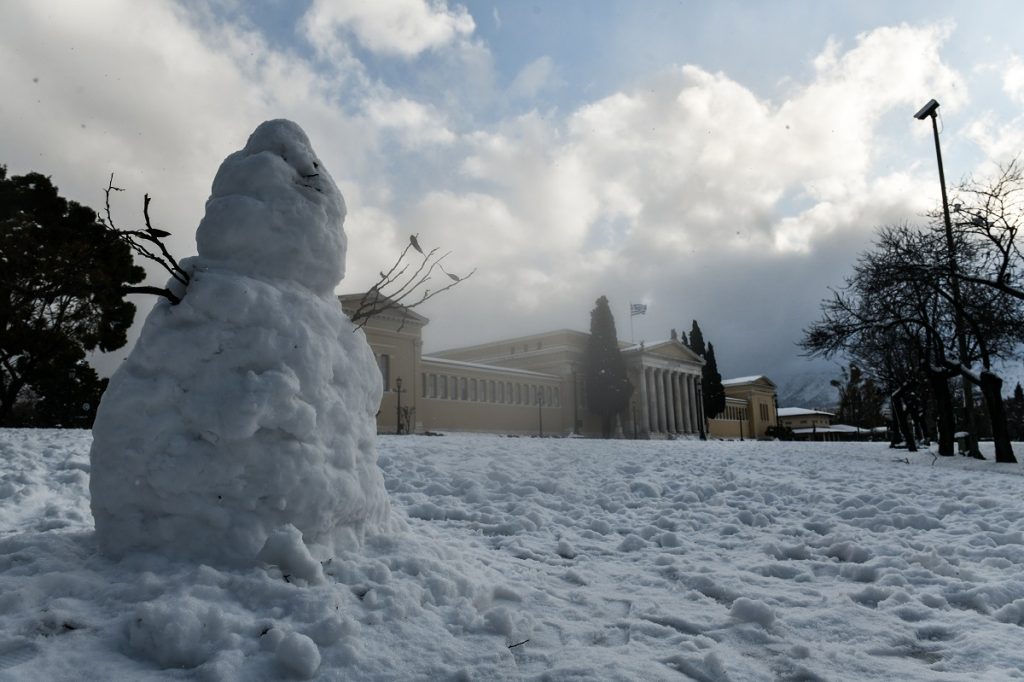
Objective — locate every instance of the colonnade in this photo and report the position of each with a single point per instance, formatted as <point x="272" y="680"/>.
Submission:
<point x="670" y="401"/>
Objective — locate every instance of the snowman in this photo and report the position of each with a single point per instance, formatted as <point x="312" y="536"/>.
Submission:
<point x="243" y="422"/>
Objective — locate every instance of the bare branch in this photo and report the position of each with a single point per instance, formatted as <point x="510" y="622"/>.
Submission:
<point x="403" y="285"/>
<point x="135" y="238"/>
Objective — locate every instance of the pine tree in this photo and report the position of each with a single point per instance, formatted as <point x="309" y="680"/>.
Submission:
<point x="860" y="399"/>
<point x="608" y="387"/>
<point x="711" y="384"/>
<point x="62" y="287"/>
<point x="683" y="340"/>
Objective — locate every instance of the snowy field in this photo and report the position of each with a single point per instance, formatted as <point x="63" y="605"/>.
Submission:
<point x="609" y="559"/>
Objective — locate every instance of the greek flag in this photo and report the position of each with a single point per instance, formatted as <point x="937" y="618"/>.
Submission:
<point x="637" y="309"/>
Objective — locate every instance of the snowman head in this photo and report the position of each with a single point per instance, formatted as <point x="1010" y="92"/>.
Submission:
<point x="274" y="212"/>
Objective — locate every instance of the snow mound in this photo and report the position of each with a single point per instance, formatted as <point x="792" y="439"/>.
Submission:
<point x="247" y="409"/>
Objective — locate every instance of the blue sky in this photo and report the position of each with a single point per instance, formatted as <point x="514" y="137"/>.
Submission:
<point x="721" y="161"/>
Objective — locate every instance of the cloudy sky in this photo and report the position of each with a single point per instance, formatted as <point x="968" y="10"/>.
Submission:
<point x="720" y="161"/>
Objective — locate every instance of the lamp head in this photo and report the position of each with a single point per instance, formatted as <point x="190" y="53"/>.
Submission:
<point x="927" y="110"/>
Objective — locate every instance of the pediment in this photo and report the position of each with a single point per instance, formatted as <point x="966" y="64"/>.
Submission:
<point x="670" y="350"/>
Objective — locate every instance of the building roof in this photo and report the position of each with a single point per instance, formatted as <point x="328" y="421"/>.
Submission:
<point x="738" y="381"/>
<point x="801" y="412"/>
<point x="654" y="346"/>
<point x="428" y="359"/>
<point x="350" y="303"/>
<point x="581" y="336"/>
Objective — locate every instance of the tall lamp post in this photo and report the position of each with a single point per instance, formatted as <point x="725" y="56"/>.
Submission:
<point x="930" y="110"/>
<point x="540" y="412"/>
<point x="398" y="409"/>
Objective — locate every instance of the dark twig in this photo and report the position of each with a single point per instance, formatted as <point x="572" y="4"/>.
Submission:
<point x="135" y="240"/>
<point x="403" y="286"/>
<point x="513" y="646"/>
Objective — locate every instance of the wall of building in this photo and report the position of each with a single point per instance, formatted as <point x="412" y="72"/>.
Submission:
<point x="460" y="396"/>
<point x="758" y="397"/>
<point x="806" y="421"/>
<point x="533" y="383"/>
<point x="556" y="353"/>
<point x="733" y="423"/>
<point x="396" y="339"/>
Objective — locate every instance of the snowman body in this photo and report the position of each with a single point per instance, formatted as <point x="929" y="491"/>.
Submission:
<point x="250" y="406"/>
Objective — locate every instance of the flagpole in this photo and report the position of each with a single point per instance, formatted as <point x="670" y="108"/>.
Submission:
<point x="632" y="338"/>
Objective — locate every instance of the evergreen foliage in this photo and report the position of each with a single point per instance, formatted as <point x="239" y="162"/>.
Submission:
<point x="697" y="340"/>
<point x="711" y="383"/>
<point x="860" y="399"/>
<point x="1015" y="413"/>
<point x="63" y="275"/>
<point x="608" y="388"/>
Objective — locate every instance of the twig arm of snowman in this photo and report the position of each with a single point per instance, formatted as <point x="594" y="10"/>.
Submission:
<point x="396" y="289"/>
<point x="139" y="242"/>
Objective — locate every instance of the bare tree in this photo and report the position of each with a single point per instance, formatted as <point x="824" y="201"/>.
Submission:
<point x="992" y="214"/>
<point x="898" y="298"/>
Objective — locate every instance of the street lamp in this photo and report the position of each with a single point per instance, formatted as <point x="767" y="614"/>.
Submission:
<point x="540" y="412"/>
<point x="930" y="110"/>
<point x="398" y="410"/>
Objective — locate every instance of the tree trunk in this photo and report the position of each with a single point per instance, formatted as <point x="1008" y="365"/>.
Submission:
<point x="945" y="421"/>
<point x="8" y="400"/>
<point x="900" y="411"/>
<point x="992" y="390"/>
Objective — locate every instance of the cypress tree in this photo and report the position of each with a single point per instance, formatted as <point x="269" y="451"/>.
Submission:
<point x="1015" y="413"/>
<point x="711" y="385"/>
<point x="608" y="387"/>
<point x="697" y="340"/>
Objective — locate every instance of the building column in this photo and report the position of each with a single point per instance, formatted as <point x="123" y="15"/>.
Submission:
<point x="670" y="416"/>
<point x="684" y="386"/>
<point x="652" y="401"/>
<point x="658" y="400"/>
<point x="691" y="391"/>
<point x="682" y="403"/>
<point x="645" y="423"/>
<point x="696" y="400"/>
<point x="668" y="400"/>
<point x="678" y="393"/>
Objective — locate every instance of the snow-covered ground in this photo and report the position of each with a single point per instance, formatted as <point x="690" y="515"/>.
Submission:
<point x="598" y="559"/>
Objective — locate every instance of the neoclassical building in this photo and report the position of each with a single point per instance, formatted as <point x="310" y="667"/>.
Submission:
<point x="529" y="385"/>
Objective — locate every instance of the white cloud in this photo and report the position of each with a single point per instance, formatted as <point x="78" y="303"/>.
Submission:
<point x="694" y="160"/>
<point x="163" y="108"/>
<point x="535" y="77"/>
<point x="682" y="188"/>
<point x="689" y="179"/>
<point x="401" y="28"/>
<point x="1013" y="79"/>
<point x="416" y="123"/>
